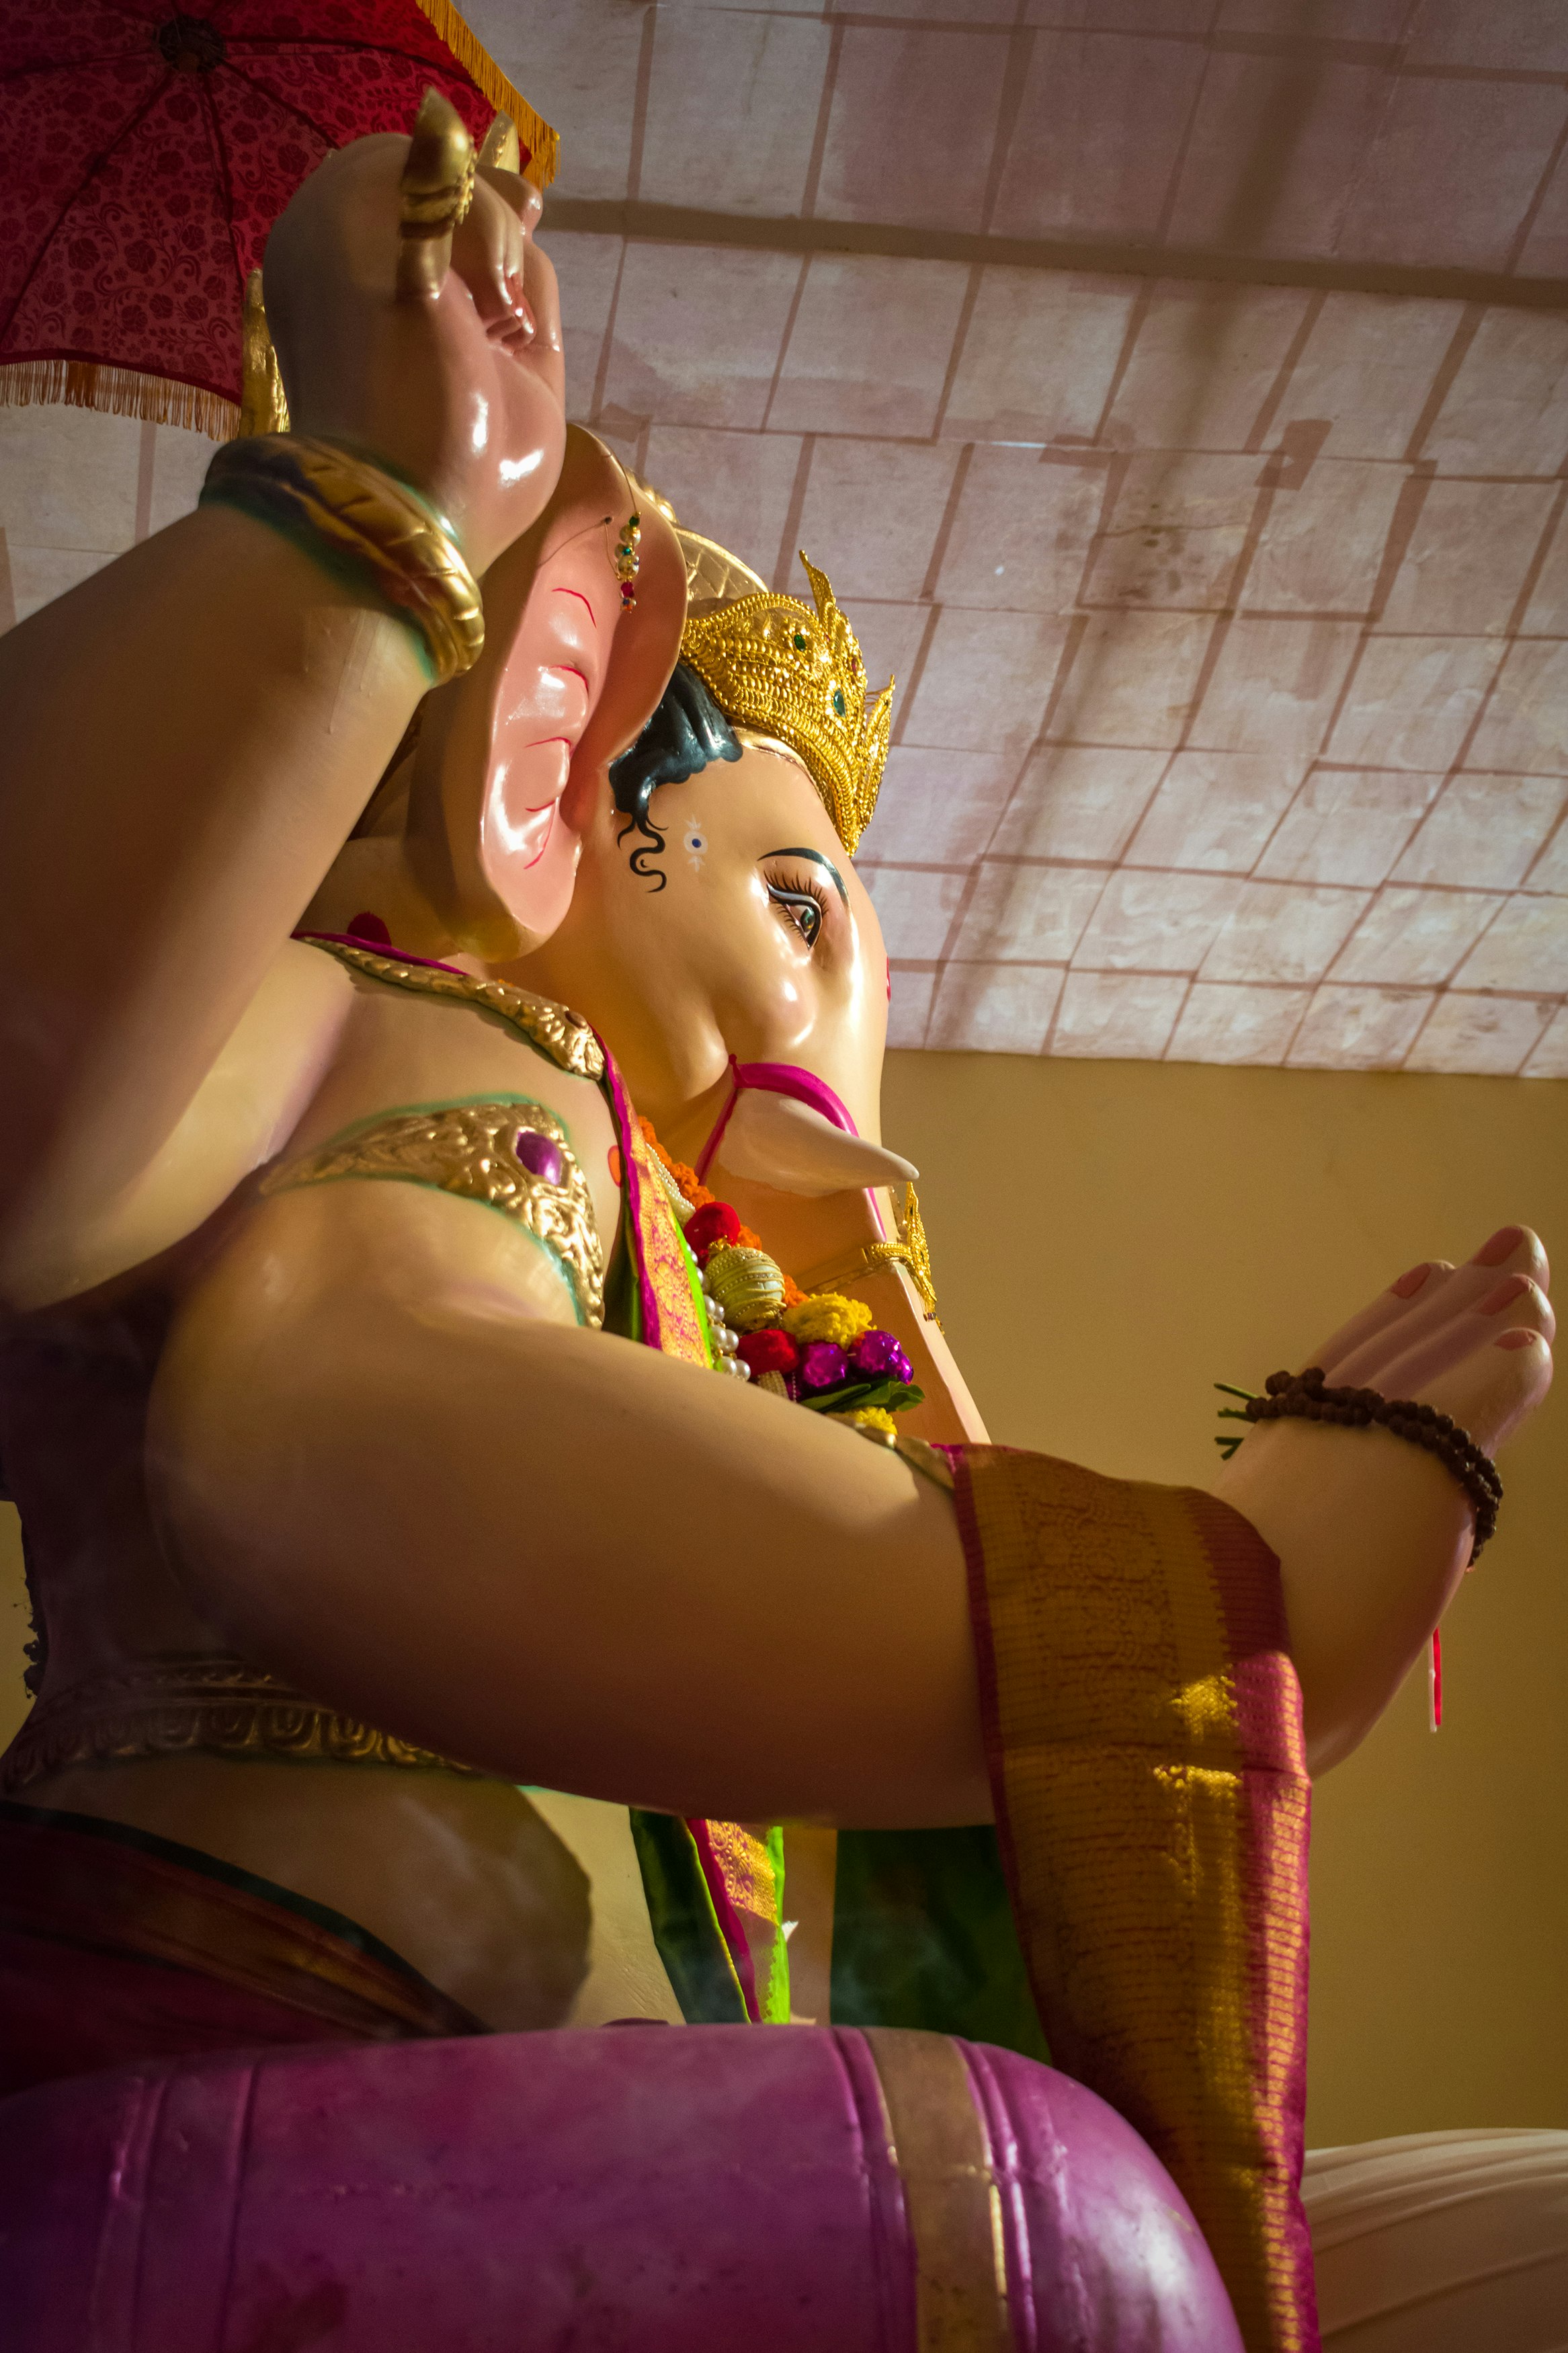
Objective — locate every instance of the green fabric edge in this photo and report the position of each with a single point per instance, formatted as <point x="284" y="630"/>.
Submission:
<point x="923" y="1936"/>
<point x="685" y="1925"/>
<point x="699" y="1296"/>
<point x="775" y="2009"/>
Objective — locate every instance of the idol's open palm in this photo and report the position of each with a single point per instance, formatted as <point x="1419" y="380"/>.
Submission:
<point x="454" y="373"/>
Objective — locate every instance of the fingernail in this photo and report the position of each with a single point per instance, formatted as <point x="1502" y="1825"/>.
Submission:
<point x="1517" y="1340"/>
<point x="1503" y="1295"/>
<point x="1506" y="1240"/>
<point x="1409" y="1284"/>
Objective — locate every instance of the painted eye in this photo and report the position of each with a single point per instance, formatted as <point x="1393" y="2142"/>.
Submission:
<point x="696" y="840"/>
<point x="800" y="908"/>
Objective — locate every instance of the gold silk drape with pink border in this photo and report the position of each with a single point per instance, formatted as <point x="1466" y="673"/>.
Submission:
<point x="1144" y="1727"/>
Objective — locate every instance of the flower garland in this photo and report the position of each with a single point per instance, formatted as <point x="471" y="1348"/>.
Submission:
<point x="819" y="1348"/>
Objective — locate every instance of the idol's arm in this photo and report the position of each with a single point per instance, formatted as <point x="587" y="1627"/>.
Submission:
<point x="564" y="1556"/>
<point x="189" y="736"/>
<point x="578" y="1562"/>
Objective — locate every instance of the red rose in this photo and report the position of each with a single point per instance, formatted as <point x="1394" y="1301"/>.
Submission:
<point x="768" y="1351"/>
<point x="706" y="1228"/>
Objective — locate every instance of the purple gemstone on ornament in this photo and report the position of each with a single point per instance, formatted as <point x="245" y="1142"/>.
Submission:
<point x="540" y="1154"/>
<point x="879" y="1357"/>
<point x="823" y="1365"/>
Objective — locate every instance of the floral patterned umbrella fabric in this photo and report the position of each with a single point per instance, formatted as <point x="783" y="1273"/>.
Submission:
<point x="149" y="152"/>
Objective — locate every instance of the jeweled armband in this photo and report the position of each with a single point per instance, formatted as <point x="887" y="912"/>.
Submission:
<point x="511" y="1157"/>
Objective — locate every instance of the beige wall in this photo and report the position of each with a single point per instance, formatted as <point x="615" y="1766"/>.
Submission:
<point x="1112" y="1237"/>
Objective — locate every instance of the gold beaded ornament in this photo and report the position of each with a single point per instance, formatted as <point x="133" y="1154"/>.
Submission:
<point x="627" y="559"/>
<point x="774" y="665"/>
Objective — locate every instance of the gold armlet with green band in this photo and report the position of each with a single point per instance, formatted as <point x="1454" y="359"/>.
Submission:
<point x="357" y="519"/>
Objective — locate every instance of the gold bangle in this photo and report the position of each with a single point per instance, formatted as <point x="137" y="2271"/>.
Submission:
<point x="352" y="515"/>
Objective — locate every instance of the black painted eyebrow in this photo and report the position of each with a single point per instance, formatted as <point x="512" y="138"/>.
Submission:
<point x="817" y="858"/>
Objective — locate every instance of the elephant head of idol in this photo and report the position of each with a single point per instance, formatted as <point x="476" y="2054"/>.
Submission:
<point x="719" y="936"/>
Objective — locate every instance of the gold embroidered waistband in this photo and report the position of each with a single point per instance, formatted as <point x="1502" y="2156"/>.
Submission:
<point x="212" y="1704"/>
<point x="513" y="1157"/>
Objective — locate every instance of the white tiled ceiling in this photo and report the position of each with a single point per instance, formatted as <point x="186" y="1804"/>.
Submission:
<point x="1177" y="393"/>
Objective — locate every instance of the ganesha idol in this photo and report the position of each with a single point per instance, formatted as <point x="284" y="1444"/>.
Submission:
<point x="571" y="1798"/>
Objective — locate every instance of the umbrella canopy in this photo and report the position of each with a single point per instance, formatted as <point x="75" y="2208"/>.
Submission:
<point x="149" y="152"/>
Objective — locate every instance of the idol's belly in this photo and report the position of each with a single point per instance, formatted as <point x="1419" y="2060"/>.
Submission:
<point x="526" y="1908"/>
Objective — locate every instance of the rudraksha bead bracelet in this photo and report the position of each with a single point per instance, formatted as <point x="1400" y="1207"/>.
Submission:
<point x="1305" y="1397"/>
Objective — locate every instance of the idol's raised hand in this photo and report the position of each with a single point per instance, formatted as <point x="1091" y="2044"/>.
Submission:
<point x="433" y="342"/>
<point x="190" y="735"/>
<point x="1374" y="1534"/>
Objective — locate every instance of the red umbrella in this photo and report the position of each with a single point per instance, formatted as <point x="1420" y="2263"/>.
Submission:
<point x="147" y="152"/>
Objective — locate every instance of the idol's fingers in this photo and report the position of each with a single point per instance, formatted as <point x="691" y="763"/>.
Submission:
<point x="1495" y="1387"/>
<point x="1388" y="1310"/>
<point x="495" y="254"/>
<point x="434" y="193"/>
<point x="1435" y="1303"/>
<point x="1514" y="1304"/>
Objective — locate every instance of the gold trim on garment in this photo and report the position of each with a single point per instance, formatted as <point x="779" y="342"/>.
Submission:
<point x="938" y="2142"/>
<point x="562" y="1037"/>
<point x="471" y="1149"/>
<point x="171" y="1706"/>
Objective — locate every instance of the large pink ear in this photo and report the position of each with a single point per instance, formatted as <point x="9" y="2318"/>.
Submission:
<point x="646" y="650"/>
<point x="494" y="845"/>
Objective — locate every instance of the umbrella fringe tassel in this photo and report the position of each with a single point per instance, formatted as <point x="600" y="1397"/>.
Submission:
<point x="543" y="145"/>
<point x="118" y="392"/>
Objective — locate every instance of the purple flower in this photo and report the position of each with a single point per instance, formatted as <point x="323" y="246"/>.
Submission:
<point x="823" y="1365"/>
<point x="878" y="1357"/>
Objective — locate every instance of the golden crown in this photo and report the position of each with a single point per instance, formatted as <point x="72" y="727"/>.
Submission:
<point x="774" y="665"/>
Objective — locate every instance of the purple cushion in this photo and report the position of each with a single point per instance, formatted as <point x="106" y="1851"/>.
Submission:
<point x="696" y="2189"/>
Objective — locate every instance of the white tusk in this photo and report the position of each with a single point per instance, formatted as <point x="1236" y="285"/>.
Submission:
<point x="776" y="1140"/>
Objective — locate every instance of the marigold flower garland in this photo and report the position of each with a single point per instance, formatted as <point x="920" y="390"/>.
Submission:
<point x="819" y="1348"/>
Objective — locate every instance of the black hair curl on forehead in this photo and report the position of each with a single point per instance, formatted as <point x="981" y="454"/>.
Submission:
<point x="686" y="733"/>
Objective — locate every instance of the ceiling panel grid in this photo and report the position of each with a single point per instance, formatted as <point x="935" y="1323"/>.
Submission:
<point x="1177" y="393"/>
